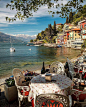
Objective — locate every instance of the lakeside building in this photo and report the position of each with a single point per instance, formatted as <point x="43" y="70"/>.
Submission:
<point x="58" y="25"/>
<point x="74" y="34"/>
<point x="77" y="44"/>
<point x="60" y="38"/>
<point x="82" y="25"/>
<point x="69" y="43"/>
<point x="67" y="26"/>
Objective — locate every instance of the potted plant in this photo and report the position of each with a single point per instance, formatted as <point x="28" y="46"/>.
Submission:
<point x="10" y="90"/>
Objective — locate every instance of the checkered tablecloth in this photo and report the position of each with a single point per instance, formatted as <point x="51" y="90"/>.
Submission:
<point x="39" y="85"/>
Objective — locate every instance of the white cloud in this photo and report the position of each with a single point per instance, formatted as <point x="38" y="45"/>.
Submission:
<point x="4" y="12"/>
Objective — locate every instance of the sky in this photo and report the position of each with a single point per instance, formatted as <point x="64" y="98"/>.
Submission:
<point x="30" y="26"/>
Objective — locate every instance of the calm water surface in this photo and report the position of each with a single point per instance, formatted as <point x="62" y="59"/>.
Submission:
<point x="31" y="57"/>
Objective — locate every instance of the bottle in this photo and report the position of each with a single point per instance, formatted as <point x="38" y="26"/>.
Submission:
<point x="43" y="69"/>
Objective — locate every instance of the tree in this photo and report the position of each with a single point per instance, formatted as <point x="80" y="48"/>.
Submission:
<point x="67" y="21"/>
<point x="54" y="28"/>
<point x="50" y="30"/>
<point x="25" y="8"/>
<point x="84" y="45"/>
<point x="31" y="40"/>
<point x="70" y="17"/>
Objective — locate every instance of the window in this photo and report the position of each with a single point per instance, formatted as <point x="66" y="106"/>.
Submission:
<point x="75" y="34"/>
<point x="85" y="25"/>
<point x="81" y="26"/>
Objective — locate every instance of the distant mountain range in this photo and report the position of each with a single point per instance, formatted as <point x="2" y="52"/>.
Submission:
<point x="24" y="37"/>
<point x="15" y="39"/>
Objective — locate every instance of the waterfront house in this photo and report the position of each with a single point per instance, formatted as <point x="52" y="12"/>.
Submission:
<point x="67" y="26"/>
<point x="82" y="25"/>
<point x="58" y="25"/>
<point x="76" y="33"/>
<point x="60" y="38"/>
<point x="77" y="44"/>
<point x="83" y="34"/>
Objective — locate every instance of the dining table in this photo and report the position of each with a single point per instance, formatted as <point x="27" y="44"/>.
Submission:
<point x="59" y="84"/>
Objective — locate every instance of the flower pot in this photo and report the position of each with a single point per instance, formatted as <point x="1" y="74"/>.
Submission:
<point x="10" y="93"/>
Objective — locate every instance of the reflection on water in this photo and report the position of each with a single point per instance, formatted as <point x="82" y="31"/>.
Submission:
<point x="24" y="58"/>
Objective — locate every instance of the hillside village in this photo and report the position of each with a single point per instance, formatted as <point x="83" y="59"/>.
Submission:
<point x="68" y="35"/>
<point x="72" y="36"/>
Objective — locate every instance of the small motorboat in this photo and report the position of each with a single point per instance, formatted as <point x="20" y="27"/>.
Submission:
<point x="59" y="46"/>
<point x="28" y="44"/>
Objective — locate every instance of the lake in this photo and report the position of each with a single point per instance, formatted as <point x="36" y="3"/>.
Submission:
<point x="31" y="57"/>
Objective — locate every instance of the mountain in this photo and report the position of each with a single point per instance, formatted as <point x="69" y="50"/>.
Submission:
<point x="6" y="38"/>
<point x="24" y="37"/>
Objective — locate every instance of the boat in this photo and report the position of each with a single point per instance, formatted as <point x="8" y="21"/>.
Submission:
<point x="59" y="46"/>
<point x="12" y="49"/>
<point x="36" y="45"/>
<point x="28" y="44"/>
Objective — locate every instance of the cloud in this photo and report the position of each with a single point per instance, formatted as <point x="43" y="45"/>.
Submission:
<point x="4" y="12"/>
<point x="25" y="37"/>
<point x="43" y="10"/>
<point x="26" y="32"/>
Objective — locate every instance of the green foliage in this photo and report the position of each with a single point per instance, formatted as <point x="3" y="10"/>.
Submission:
<point x="10" y="82"/>
<point x="60" y="28"/>
<point x="84" y="45"/>
<point x="31" y="40"/>
<point x="25" y="8"/>
<point x="70" y="17"/>
<point x="67" y="21"/>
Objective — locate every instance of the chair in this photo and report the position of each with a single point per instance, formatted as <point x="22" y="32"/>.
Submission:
<point x="79" y="97"/>
<point x="52" y="100"/>
<point x="17" y="72"/>
<point x="22" y="88"/>
<point x="57" y="67"/>
<point x="72" y="73"/>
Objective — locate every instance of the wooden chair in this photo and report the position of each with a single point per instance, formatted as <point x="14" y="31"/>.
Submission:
<point x="52" y="100"/>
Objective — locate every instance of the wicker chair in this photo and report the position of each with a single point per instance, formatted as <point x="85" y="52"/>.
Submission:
<point x="22" y="88"/>
<point x="57" y="67"/>
<point x="17" y="72"/>
<point x="45" y="100"/>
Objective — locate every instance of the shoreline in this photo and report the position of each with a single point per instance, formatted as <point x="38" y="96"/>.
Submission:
<point x="2" y="80"/>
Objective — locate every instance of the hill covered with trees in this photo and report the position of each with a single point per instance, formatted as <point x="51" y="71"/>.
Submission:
<point x="76" y="17"/>
<point x="49" y="34"/>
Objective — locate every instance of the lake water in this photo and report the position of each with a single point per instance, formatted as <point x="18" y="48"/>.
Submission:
<point x="31" y="57"/>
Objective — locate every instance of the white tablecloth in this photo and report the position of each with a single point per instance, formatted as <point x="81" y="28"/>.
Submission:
<point x="39" y="85"/>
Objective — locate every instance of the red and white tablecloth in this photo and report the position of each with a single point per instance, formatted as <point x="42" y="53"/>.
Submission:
<point x="39" y="85"/>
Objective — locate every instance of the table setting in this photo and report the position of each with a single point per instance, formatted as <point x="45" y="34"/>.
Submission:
<point x="49" y="83"/>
